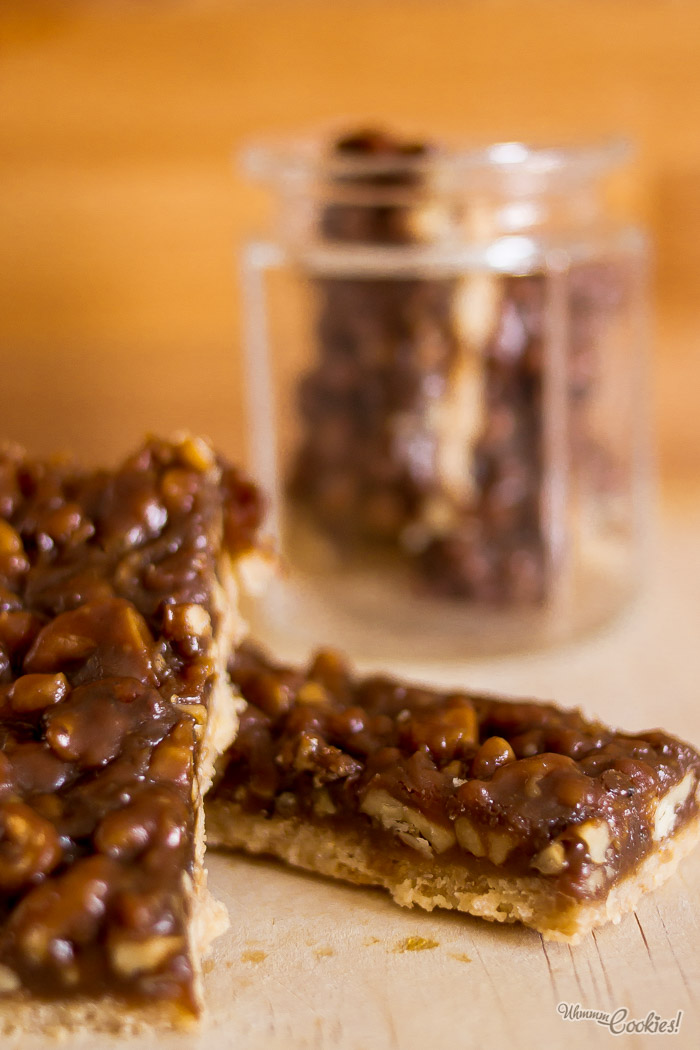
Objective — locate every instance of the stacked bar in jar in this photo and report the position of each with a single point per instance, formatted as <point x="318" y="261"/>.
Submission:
<point x="423" y="412"/>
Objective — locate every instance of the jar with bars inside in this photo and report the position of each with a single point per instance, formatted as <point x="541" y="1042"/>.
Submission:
<point x="446" y="368"/>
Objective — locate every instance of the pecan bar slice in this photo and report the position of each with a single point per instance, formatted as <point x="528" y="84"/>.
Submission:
<point x="509" y="810"/>
<point x="118" y="612"/>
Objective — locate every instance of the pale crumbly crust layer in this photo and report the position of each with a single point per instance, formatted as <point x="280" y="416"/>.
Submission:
<point x="225" y="705"/>
<point x="429" y="883"/>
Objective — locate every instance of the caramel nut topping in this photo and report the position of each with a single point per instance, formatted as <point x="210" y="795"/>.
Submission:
<point x="34" y="768"/>
<point x="188" y="626"/>
<point x="108" y="612"/>
<point x="29" y="846"/>
<point x="18" y="629"/>
<point x="171" y="760"/>
<point x="10" y="541"/>
<point x="597" y="837"/>
<point x="111" y="631"/>
<point x="34" y="692"/>
<point x="312" y="693"/>
<point x="517" y="785"/>
<point x="469" y="838"/>
<point x="131" y="957"/>
<point x="450" y="731"/>
<point x="113" y="707"/>
<point x="13" y="560"/>
<point x="65" y="525"/>
<point x="197" y="453"/>
<point x="156" y="817"/>
<point x="53" y="920"/>
<point x="494" y="752"/>
<point x="551" y="860"/>
<point x="412" y="826"/>
<point x="9" y="981"/>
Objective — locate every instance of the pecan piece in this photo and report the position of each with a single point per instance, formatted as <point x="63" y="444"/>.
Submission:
<point x="34" y="692"/>
<point x="411" y="826"/>
<point x="29" y="846"/>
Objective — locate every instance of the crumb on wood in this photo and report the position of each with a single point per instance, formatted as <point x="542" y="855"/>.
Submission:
<point x="460" y="956"/>
<point x="416" y="944"/>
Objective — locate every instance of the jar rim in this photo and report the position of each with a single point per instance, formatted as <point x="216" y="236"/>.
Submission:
<point x="303" y="160"/>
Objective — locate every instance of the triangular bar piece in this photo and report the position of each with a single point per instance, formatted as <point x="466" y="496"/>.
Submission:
<point x="510" y="810"/>
<point x="118" y="611"/>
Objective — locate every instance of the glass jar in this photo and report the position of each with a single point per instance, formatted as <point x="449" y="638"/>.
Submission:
<point x="446" y="356"/>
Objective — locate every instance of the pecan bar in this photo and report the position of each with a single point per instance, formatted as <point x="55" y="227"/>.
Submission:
<point x="510" y="810"/>
<point x="118" y="611"/>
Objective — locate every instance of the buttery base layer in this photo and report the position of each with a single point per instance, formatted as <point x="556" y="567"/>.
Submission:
<point x="246" y="574"/>
<point x="430" y="882"/>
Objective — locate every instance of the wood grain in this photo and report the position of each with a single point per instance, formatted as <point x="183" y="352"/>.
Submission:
<point x="120" y="211"/>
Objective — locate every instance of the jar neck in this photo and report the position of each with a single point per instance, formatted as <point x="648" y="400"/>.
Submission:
<point x="375" y="189"/>
<point x="431" y="214"/>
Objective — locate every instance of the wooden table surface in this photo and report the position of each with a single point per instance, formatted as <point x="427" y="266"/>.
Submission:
<point x="121" y="216"/>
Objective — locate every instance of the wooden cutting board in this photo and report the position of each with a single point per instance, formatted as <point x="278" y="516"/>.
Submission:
<point x="312" y="964"/>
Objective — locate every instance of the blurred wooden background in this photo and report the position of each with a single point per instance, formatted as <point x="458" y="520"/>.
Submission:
<point x="120" y="211"/>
